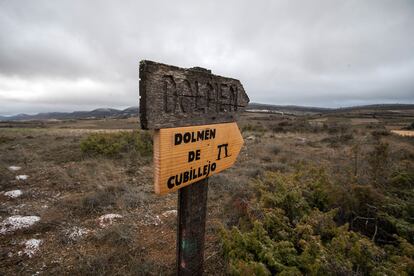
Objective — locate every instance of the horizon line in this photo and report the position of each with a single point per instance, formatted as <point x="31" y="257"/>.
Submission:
<point x="266" y="104"/>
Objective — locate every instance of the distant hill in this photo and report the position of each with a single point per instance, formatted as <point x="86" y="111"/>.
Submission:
<point x="94" y="114"/>
<point x="307" y="110"/>
<point x="253" y="107"/>
<point x="376" y="107"/>
<point x="286" y="109"/>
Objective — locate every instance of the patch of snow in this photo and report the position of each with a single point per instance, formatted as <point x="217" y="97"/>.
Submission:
<point x="17" y="222"/>
<point x="75" y="233"/>
<point x="14" y="193"/>
<point x="22" y="177"/>
<point x="14" y="168"/>
<point x="264" y="111"/>
<point x="169" y="213"/>
<point x="258" y="110"/>
<point x="30" y="247"/>
<point x="301" y="139"/>
<point x="150" y="219"/>
<point x="108" y="219"/>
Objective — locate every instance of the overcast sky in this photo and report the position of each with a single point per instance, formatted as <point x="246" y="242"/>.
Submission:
<point x="79" y="55"/>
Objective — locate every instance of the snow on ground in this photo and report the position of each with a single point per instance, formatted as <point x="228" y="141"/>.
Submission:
<point x="150" y="219"/>
<point x="22" y="177"/>
<point x="75" y="233"/>
<point x="170" y="213"/>
<point x="30" y="247"/>
<point x="17" y="222"/>
<point x="14" y="168"/>
<point x="259" y="110"/>
<point x="108" y="219"/>
<point x="14" y="193"/>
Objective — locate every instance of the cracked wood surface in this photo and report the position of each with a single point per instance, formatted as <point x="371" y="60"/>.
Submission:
<point x="172" y="97"/>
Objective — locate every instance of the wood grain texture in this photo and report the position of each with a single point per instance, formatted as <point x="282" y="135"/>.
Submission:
<point x="216" y="146"/>
<point x="171" y="96"/>
<point x="191" y="221"/>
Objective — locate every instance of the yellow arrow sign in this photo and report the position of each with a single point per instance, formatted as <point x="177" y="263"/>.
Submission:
<point x="185" y="155"/>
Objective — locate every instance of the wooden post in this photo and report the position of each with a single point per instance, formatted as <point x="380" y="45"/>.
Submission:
<point x="192" y="210"/>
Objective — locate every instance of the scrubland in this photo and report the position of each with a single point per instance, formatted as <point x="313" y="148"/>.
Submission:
<point x="319" y="195"/>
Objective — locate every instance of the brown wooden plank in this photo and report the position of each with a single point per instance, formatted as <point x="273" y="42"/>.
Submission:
<point x="171" y="96"/>
<point x="203" y="151"/>
<point x="192" y="210"/>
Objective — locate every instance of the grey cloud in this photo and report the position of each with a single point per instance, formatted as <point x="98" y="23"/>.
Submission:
<point x="328" y="53"/>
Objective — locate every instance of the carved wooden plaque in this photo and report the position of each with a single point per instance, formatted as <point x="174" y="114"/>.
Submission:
<point x="185" y="155"/>
<point x="171" y="96"/>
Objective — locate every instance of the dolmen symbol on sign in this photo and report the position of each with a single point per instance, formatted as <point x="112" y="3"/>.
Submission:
<point x="193" y="113"/>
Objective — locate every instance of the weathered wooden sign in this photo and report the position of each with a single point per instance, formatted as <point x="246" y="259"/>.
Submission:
<point x="185" y="155"/>
<point x="173" y="96"/>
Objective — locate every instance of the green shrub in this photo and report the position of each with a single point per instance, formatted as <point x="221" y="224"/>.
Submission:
<point x="275" y="149"/>
<point x="380" y="132"/>
<point x="378" y="163"/>
<point x="409" y="127"/>
<point x="338" y="140"/>
<point x="301" y="125"/>
<point x="114" y="144"/>
<point x="253" y="128"/>
<point x="402" y="180"/>
<point x="297" y="232"/>
<point x="5" y="139"/>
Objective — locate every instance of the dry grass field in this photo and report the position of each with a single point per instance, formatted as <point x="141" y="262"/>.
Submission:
<point x="68" y="207"/>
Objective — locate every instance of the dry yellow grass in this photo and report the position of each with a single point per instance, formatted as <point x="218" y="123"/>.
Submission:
<point x="409" y="133"/>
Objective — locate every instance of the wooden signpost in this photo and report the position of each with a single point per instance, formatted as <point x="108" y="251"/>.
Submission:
<point x="193" y="115"/>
